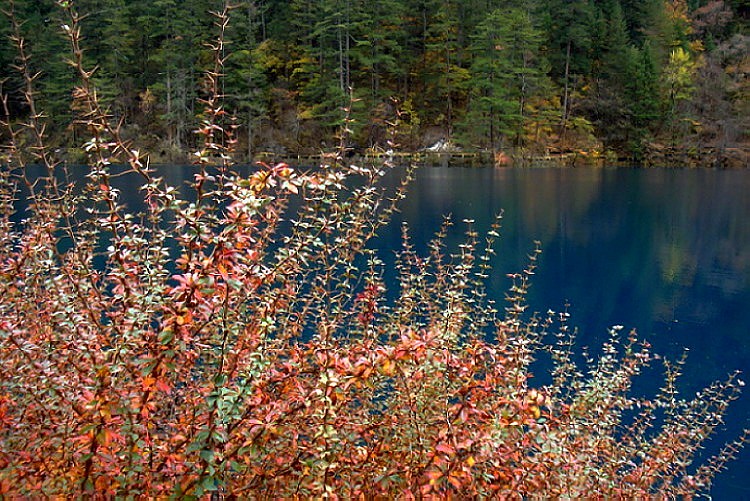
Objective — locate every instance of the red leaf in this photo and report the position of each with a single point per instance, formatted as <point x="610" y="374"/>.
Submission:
<point x="445" y="449"/>
<point x="162" y="385"/>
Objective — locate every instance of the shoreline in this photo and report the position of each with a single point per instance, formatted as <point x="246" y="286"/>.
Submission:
<point x="730" y="158"/>
<point x="668" y="157"/>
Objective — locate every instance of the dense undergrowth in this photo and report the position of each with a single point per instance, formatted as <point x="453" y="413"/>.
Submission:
<point x="202" y="346"/>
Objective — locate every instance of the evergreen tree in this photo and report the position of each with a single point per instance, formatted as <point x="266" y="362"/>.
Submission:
<point x="507" y="71"/>
<point x="606" y="102"/>
<point x="180" y="43"/>
<point x="641" y="96"/>
<point x="43" y="32"/>
<point x="444" y="69"/>
<point x="323" y="73"/>
<point x="378" y="69"/>
<point x="246" y="86"/>
<point x="10" y="81"/>
<point x="567" y="24"/>
<point x="379" y="48"/>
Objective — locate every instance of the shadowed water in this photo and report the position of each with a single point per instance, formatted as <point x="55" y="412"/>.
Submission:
<point x="664" y="251"/>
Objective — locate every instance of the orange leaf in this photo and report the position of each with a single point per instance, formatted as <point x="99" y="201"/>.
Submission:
<point x="455" y="482"/>
<point x="222" y="271"/>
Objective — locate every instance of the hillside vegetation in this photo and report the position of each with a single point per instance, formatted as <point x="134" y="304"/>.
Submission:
<point x="630" y="76"/>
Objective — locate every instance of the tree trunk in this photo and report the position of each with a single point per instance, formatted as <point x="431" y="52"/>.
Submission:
<point x="262" y="9"/>
<point x="342" y="85"/>
<point x="249" y="136"/>
<point x="522" y="101"/>
<point x="347" y="47"/>
<point x="170" y="131"/>
<point x="566" y="93"/>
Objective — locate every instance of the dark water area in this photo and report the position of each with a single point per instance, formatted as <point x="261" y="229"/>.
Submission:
<point x="663" y="251"/>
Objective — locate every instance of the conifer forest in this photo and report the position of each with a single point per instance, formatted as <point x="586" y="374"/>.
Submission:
<point x="539" y="76"/>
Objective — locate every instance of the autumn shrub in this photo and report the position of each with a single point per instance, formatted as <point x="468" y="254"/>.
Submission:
<point x="236" y="338"/>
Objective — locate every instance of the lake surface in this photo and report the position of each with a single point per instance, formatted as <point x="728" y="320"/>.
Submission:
<point x="664" y="251"/>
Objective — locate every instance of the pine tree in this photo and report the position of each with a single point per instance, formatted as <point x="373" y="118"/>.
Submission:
<point x="607" y="98"/>
<point x="180" y="39"/>
<point x="45" y="40"/>
<point x="567" y="25"/>
<point x="641" y="96"/>
<point x="507" y="71"/>
<point x="379" y="48"/>
<point x="323" y="70"/>
<point x="246" y="86"/>
<point x="444" y="70"/>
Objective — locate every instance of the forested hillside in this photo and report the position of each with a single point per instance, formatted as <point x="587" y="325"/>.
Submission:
<point x="630" y="76"/>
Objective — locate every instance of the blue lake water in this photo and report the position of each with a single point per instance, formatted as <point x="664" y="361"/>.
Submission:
<point x="664" y="251"/>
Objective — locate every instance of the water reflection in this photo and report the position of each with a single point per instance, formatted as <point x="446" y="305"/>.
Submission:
<point x="671" y="245"/>
<point x="664" y="251"/>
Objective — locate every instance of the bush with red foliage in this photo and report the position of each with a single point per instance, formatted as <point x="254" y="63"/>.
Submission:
<point x="264" y="360"/>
